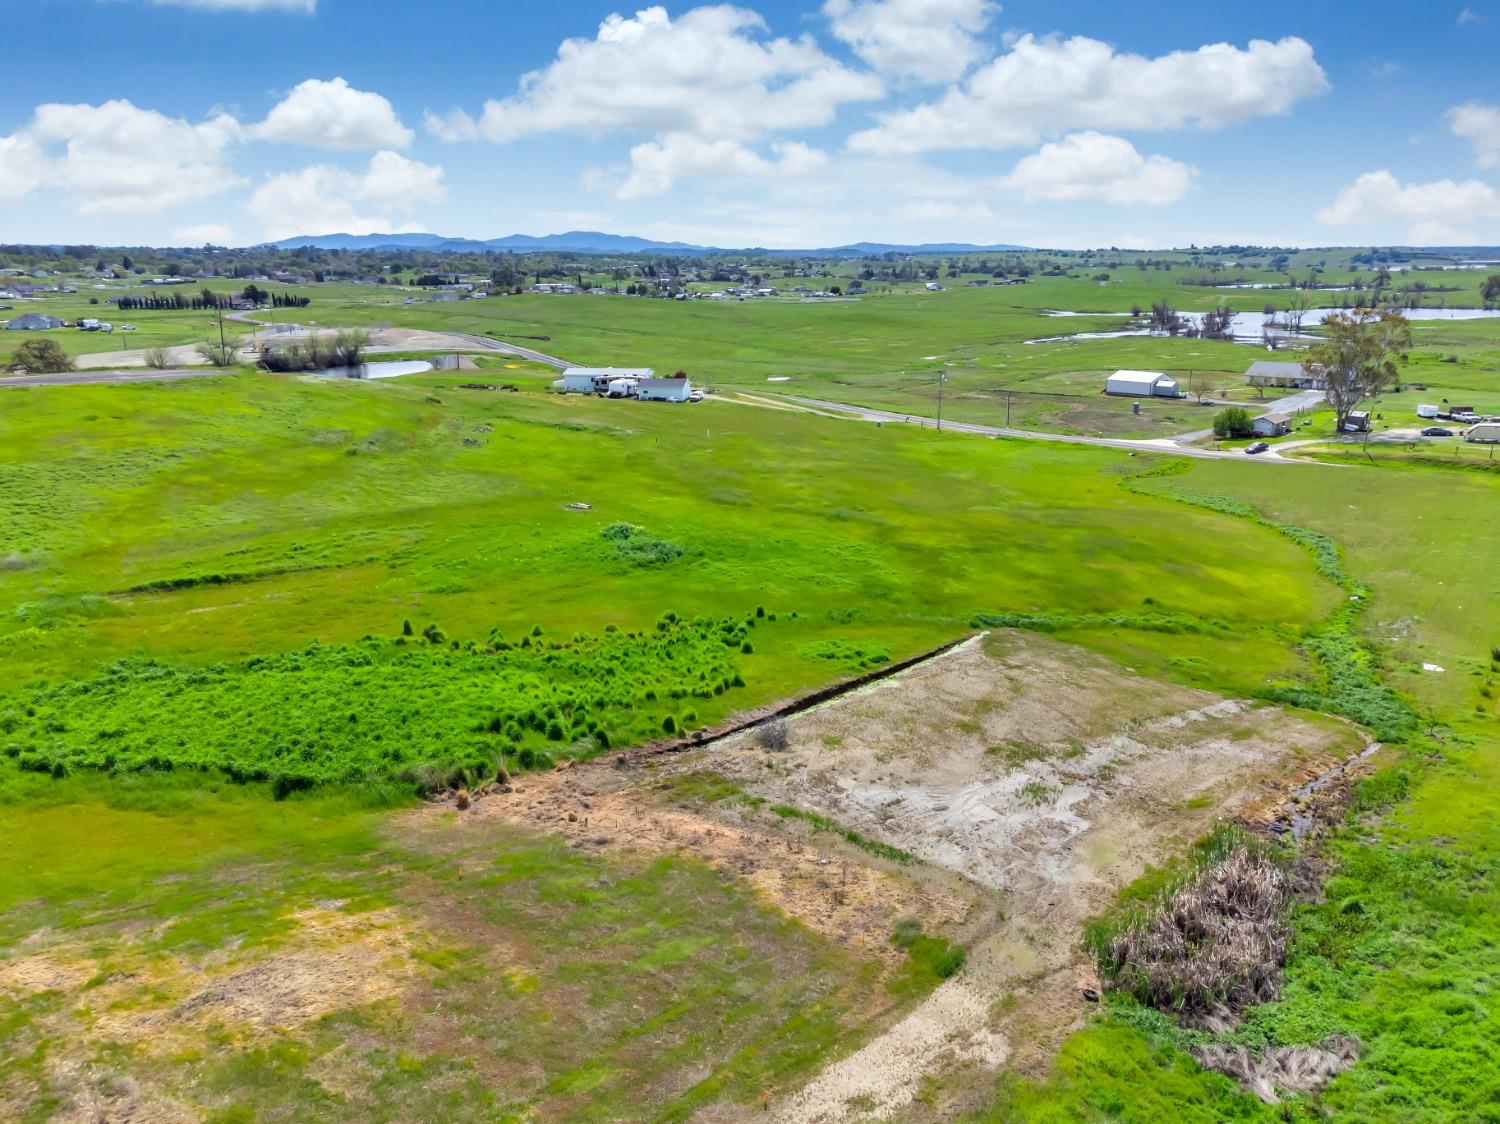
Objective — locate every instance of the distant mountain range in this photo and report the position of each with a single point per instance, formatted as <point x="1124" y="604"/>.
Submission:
<point x="594" y="242"/>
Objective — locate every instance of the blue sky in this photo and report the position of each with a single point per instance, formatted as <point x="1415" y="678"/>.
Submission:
<point x="769" y="122"/>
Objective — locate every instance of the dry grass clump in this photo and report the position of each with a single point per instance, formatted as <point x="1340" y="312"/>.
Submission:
<point x="774" y="735"/>
<point x="1292" y="1069"/>
<point x="1211" y="945"/>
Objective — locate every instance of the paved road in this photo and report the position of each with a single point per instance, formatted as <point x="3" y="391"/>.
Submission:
<point x="1160" y="445"/>
<point x="485" y="343"/>
<point x="88" y="378"/>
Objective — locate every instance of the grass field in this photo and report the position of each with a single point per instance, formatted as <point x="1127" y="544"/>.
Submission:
<point x="346" y="587"/>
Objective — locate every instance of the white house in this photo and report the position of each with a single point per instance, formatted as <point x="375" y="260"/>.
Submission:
<point x="664" y="390"/>
<point x="1291" y="376"/>
<point x="1272" y="425"/>
<point x="1142" y="384"/>
<point x="596" y="380"/>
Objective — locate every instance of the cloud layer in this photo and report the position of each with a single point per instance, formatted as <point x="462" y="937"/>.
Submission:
<point x="1044" y="86"/>
<point x="927" y="40"/>
<point x="710" y="73"/>
<point x="327" y="199"/>
<point x="1106" y="169"/>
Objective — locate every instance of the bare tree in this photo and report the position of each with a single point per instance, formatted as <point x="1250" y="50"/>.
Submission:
<point x="158" y="358"/>
<point x="1218" y="323"/>
<point x="1164" y="319"/>
<point x="1358" y="357"/>
<point x="1296" y="311"/>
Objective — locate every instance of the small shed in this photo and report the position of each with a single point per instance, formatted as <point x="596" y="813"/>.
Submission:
<point x="33" y="322"/>
<point x="1485" y="433"/>
<point x="1142" y="384"/>
<point x="664" y="390"/>
<point x="1292" y="376"/>
<point x="1357" y="422"/>
<point x="1272" y="425"/>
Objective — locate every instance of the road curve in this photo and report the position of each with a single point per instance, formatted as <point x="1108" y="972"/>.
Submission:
<point x="1159" y="445"/>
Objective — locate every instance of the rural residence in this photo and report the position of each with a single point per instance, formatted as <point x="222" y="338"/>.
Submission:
<point x="1272" y="425"/>
<point x="1290" y="376"/>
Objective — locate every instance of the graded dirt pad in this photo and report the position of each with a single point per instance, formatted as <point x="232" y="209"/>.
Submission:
<point x="832" y="890"/>
<point x="1045" y="774"/>
<point x="185" y="355"/>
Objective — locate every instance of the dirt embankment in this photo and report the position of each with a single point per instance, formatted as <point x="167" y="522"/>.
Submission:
<point x="1030" y="779"/>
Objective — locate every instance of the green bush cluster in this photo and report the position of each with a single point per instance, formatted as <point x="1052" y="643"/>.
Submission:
<point x="421" y="709"/>
<point x="636" y="547"/>
<point x="855" y="656"/>
<point x="1171" y="623"/>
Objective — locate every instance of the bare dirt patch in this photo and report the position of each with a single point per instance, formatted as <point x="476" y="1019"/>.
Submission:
<point x="1047" y="775"/>
<point x="829" y="890"/>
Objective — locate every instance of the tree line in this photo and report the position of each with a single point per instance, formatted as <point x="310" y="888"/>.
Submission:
<point x="208" y="300"/>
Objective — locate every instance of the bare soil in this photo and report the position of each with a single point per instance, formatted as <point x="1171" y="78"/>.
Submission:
<point x="1033" y="779"/>
<point x="1050" y="777"/>
<point x="833" y="890"/>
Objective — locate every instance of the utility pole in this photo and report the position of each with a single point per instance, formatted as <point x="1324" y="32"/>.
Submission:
<point x="220" y="308"/>
<point x="942" y="378"/>
<point x="1007" y="409"/>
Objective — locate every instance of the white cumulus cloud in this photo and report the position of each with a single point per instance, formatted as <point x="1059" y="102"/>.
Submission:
<point x="116" y="158"/>
<point x="658" y="164"/>
<point x="1426" y="211"/>
<point x="327" y="199"/>
<point x="1480" y="126"/>
<point x="930" y="40"/>
<point x="711" y="73"/>
<point x="22" y="167"/>
<point x="1093" y="166"/>
<point x="1043" y="86"/>
<point x="318" y="114"/>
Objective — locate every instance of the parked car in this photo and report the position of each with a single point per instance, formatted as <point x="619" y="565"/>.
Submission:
<point x="1258" y="447"/>
<point x="1436" y="431"/>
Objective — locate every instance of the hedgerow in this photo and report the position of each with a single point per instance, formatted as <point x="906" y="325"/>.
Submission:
<point x="418" y="708"/>
<point x="1351" y="686"/>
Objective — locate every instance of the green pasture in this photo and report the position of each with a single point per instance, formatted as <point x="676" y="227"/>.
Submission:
<point x="694" y="993"/>
<point x="210" y="523"/>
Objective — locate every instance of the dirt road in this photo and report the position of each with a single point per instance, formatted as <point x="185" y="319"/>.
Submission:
<point x="90" y="378"/>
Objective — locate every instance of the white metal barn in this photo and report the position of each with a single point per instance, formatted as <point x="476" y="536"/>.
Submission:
<point x="596" y="380"/>
<point x="664" y="390"/>
<point x="1142" y="384"/>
